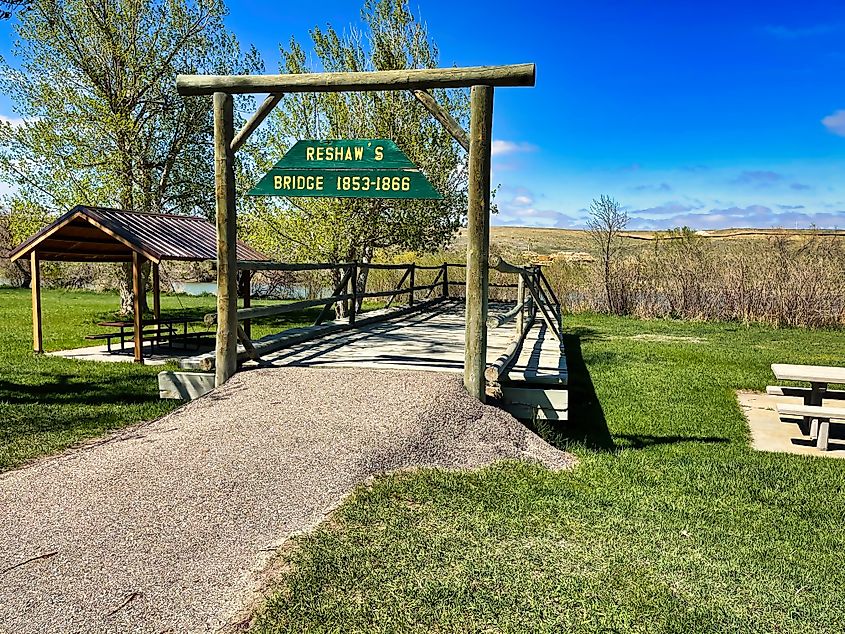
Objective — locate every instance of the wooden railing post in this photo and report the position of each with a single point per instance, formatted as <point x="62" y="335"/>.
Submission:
<point x="246" y="294"/>
<point x="226" y="352"/>
<point x="445" y="279"/>
<point x="412" y="282"/>
<point x="353" y="290"/>
<point x="520" y="301"/>
<point x="478" y="246"/>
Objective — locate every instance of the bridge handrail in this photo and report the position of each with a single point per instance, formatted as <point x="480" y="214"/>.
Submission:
<point x="345" y="291"/>
<point x="540" y="299"/>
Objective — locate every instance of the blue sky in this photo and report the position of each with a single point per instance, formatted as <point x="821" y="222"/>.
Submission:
<point x="725" y="114"/>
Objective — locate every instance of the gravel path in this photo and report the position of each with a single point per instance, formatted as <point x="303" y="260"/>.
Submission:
<point x="167" y="527"/>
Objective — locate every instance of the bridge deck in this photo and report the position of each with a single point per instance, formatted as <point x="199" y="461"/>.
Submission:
<point x="431" y="340"/>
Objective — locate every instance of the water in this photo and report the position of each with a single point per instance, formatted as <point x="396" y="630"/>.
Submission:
<point x="195" y="288"/>
<point x="200" y="288"/>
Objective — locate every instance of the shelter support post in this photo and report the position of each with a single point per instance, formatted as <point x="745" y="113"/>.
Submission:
<point x="35" y="271"/>
<point x="226" y="352"/>
<point x="478" y="247"/>
<point x="156" y="291"/>
<point x="137" y="314"/>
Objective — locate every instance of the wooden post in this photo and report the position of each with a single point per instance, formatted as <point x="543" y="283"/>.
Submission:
<point x="353" y="290"/>
<point x="156" y="291"/>
<point x="35" y="272"/>
<point x="411" y="282"/>
<point x="520" y="301"/>
<point x="157" y="301"/>
<point x="246" y="294"/>
<point x="226" y="353"/>
<point x="478" y="247"/>
<point x="137" y="315"/>
<point x="445" y="280"/>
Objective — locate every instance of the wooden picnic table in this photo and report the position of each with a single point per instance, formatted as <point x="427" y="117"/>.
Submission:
<point x="127" y="328"/>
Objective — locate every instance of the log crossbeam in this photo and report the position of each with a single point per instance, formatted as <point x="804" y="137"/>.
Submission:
<point x="413" y="79"/>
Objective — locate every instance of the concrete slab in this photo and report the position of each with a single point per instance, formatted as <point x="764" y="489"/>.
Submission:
<point x="101" y="353"/>
<point x="787" y="434"/>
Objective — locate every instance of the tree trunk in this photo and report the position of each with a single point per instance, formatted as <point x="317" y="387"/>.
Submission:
<point x="127" y="295"/>
<point x="26" y="275"/>
<point x="341" y="309"/>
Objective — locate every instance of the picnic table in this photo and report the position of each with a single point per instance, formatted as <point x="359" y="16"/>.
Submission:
<point x="813" y="410"/>
<point x="165" y="329"/>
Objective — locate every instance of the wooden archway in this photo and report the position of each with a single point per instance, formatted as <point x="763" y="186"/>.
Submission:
<point x="480" y="79"/>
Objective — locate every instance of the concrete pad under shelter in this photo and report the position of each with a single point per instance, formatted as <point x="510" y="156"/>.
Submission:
<point x="785" y="434"/>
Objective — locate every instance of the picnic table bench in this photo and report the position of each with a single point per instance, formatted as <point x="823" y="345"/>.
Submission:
<point x="813" y="409"/>
<point x="153" y="330"/>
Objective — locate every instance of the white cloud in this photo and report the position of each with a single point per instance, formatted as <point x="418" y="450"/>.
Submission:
<point x="757" y="216"/>
<point x="793" y="32"/>
<point x="835" y="123"/>
<point x="13" y="121"/>
<point x="500" y="147"/>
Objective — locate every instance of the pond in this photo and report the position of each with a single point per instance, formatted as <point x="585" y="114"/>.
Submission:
<point x="200" y="288"/>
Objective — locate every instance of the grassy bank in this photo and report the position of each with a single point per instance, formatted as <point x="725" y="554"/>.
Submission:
<point x="671" y="523"/>
<point x="48" y="403"/>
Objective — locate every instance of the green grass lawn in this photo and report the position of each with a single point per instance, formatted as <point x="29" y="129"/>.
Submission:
<point x="48" y="403"/>
<point x="670" y="523"/>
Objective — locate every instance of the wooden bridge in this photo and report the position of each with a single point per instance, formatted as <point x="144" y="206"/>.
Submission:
<point x="421" y="327"/>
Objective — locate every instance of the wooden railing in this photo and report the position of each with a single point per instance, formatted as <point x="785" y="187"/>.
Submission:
<point x="534" y="297"/>
<point x="347" y="290"/>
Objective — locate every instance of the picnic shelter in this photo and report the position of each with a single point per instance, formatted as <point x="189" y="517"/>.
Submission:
<point x="100" y="234"/>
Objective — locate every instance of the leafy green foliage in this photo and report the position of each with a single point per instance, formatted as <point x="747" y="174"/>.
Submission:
<point x="101" y="122"/>
<point x="349" y="229"/>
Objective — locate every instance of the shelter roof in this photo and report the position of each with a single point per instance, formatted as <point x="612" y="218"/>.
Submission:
<point x="101" y="234"/>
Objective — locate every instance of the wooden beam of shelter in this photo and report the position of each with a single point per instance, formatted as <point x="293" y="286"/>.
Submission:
<point x="255" y="120"/>
<point x="35" y="283"/>
<point x="137" y="289"/>
<point x="414" y="79"/>
<point x="452" y="127"/>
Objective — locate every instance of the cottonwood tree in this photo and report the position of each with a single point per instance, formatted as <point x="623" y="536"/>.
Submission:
<point x="102" y="124"/>
<point x="606" y="222"/>
<point x="336" y="230"/>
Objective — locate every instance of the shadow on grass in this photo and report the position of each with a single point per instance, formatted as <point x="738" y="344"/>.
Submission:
<point x="586" y="425"/>
<point x="644" y="441"/>
<point x="66" y="389"/>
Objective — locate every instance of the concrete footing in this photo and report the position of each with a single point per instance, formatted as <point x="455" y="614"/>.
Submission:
<point x="184" y="385"/>
<point x="536" y="403"/>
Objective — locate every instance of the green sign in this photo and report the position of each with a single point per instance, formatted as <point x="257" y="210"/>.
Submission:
<point x="354" y="168"/>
